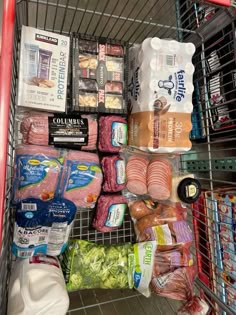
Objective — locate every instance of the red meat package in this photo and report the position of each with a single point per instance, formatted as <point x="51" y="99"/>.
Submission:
<point x="168" y="261"/>
<point x="114" y="173"/>
<point x="109" y="213"/>
<point x="178" y="285"/>
<point x="112" y="133"/>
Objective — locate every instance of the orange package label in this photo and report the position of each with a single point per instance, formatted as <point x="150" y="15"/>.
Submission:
<point x="148" y="129"/>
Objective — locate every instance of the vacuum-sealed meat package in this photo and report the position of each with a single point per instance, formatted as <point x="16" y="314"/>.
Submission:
<point x="36" y="174"/>
<point x="81" y="178"/>
<point x="40" y="128"/>
<point x="114" y="173"/>
<point x="160" y="93"/>
<point x="112" y="133"/>
<point x="109" y="213"/>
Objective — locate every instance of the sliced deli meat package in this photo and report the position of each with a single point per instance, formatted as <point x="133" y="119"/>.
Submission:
<point x="36" y="174"/>
<point x="82" y="178"/>
<point x="74" y="131"/>
<point x="109" y="213"/>
<point x="160" y="95"/>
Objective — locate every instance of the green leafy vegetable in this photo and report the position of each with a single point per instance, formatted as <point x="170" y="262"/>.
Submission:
<point x="90" y="265"/>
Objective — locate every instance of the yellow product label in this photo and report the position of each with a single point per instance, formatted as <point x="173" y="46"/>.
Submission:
<point x="160" y="235"/>
<point x="34" y="162"/>
<point x="82" y="167"/>
<point x="95" y="168"/>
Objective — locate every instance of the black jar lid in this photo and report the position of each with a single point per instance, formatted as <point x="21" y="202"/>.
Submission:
<point x="189" y="189"/>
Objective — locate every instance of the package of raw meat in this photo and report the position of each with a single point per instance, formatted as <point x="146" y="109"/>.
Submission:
<point x="178" y="285"/>
<point x="36" y="174"/>
<point x="112" y="133"/>
<point x="163" y="215"/>
<point x="109" y="213"/>
<point x="114" y="173"/>
<point x="81" y="178"/>
<point x="168" y="261"/>
<point x="41" y="128"/>
<point x="160" y="94"/>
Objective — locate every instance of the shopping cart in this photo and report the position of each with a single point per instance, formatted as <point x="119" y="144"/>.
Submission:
<point x="212" y="158"/>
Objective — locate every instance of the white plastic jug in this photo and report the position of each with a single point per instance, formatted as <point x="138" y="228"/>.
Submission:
<point x="37" y="287"/>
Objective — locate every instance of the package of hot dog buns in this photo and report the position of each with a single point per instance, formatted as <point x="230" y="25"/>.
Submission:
<point x="158" y="177"/>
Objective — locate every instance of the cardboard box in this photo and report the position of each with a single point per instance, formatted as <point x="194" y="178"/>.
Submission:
<point x="43" y="70"/>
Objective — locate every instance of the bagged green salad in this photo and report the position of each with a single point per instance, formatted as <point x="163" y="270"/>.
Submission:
<point x="88" y="265"/>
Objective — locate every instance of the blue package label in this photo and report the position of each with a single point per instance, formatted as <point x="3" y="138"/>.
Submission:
<point x="115" y="215"/>
<point x="34" y="170"/>
<point x="42" y="227"/>
<point x="81" y="174"/>
<point x="120" y="172"/>
<point x="118" y="134"/>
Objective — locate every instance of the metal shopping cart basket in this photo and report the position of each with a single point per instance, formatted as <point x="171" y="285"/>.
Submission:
<point x="212" y="158"/>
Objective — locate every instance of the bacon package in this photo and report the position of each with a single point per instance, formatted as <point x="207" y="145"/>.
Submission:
<point x="36" y="174"/>
<point x="114" y="173"/>
<point x="160" y="95"/>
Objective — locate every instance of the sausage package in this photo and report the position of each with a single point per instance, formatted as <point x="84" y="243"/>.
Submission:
<point x="160" y="95"/>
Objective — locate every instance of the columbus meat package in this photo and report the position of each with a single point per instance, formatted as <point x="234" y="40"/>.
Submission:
<point x="74" y="131"/>
<point x="99" y="80"/>
<point x="44" y="59"/>
<point x="42" y="226"/>
<point x="160" y="95"/>
<point x="74" y="175"/>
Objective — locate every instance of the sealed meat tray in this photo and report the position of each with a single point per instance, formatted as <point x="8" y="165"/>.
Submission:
<point x="99" y="75"/>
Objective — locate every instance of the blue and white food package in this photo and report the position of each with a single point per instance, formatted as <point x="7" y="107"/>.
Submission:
<point x="42" y="227"/>
<point x="44" y="59"/>
<point x="160" y="95"/>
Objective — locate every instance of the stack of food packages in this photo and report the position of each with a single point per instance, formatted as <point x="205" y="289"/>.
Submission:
<point x="56" y="174"/>
<point x="218" y="212"/>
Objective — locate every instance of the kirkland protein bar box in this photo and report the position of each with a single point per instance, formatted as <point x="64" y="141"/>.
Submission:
<point x="43" y="71"/>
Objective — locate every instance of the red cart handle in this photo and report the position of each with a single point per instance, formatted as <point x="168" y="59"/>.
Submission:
<point x="8" y="20"/>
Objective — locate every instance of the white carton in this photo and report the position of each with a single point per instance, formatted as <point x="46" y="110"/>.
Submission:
<point x="44" y="58"/>
<point x="160" y="95"/>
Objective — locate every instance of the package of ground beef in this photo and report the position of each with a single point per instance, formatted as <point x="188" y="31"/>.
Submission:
<point x="109" y="213"/>
<point x="112" y="133"/>
<point x="114" y="173"/>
